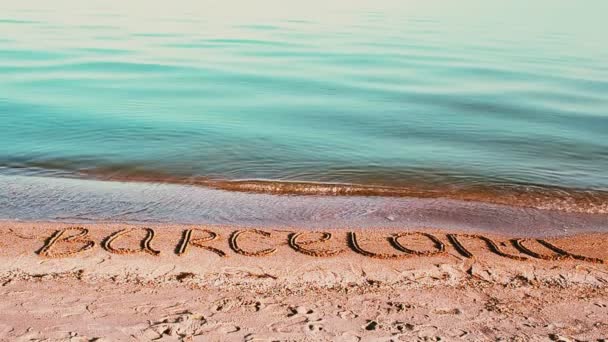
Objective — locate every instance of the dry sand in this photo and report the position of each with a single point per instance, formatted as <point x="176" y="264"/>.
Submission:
<point x="55" y="285"/>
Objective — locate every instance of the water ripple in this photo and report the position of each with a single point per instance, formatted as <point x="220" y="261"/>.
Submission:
<point x="388" y="94"/>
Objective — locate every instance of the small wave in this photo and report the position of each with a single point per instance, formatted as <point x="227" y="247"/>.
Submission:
<point x="527" y="196"/>
<point x="16" y="21"/>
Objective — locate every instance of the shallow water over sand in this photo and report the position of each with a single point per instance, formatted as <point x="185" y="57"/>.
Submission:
<point x="502" y="103"/>
<point x="84" y="201"/>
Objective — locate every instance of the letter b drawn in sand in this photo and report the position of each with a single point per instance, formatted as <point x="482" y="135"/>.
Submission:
<point x="58" y="237"/>
<point x="560" y="254"/>
<point x="198" y="242"/>
<point x="144" y="245"/>
<point x="491" y="245"/>
<point x="296" y="244"/>
<point x="234" y="243"/>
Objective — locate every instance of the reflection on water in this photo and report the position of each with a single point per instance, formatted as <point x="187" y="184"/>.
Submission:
<point x="480" y="97"/>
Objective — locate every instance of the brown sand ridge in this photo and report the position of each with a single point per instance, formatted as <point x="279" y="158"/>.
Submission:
<point x="98" y="282"/>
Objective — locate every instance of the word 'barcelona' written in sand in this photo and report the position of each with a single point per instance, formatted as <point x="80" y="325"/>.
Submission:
<point x="72" y="241"/>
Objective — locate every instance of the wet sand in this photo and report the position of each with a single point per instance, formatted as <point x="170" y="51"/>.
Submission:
<point x="79" y="200"/>
<point x="126" y="282"/>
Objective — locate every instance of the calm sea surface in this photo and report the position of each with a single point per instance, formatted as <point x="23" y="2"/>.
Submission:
<point x="498" y="101"/>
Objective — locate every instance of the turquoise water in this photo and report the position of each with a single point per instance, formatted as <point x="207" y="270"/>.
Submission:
<point x="483" y="100"/>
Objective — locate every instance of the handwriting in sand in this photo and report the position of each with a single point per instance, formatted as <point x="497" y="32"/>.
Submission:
<point x="76" y="240"/>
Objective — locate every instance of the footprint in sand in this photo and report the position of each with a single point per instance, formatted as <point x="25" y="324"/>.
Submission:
<point x="224" y="304"/>
<point x="399" y="327"/>
<point x="230" y="304"/>
<point x="299" y="310"/>
<point x="396" y="307"/>
<point x="455" y="311"/>
<point x="300" y="318"/>
<point x="181" y="325"/>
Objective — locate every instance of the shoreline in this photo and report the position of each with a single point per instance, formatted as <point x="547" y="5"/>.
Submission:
<point x="74" y="200"/>
<point x="129" y="286"/>
<point x="516" y="195"/>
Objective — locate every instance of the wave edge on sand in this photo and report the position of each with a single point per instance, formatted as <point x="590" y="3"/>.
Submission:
<point x="525" y="196"/>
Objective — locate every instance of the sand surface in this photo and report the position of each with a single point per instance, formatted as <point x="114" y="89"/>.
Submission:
<point x="110" y="282"/>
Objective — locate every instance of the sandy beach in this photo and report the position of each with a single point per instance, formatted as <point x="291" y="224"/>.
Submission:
<point x="106" y="282"/>
<point x="287" y="170"/>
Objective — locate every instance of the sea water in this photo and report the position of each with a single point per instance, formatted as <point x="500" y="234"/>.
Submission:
<point x="489" y="101"/>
